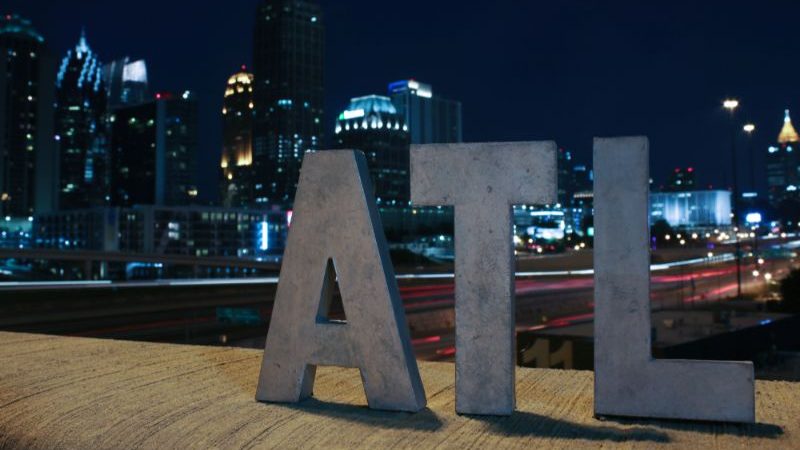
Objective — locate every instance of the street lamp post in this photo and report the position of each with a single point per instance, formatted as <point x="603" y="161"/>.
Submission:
<point x="749" y="128"/>
<point x="731" y="105"/>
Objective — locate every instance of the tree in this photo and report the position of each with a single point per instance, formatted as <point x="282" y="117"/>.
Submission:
<point x="790" y="291"/>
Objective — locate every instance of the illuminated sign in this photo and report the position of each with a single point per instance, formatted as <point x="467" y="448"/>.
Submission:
<point x="263" y="236"/>
<point x="352" y="113"/>
<point x="753" y="217"/>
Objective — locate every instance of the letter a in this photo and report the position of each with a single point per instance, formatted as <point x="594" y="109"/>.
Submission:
<point x="335" y="218"/>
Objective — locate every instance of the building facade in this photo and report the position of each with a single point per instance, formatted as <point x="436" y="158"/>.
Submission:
<point x="430" y="119"/>
<point x="237" y="142"/>
<point x="161" y="230"/>
<point x="373" y="125"/>
<point x="783" y="168"/>
<point x="154" y="152"/>
<point x="691" y="209"/>
<point x="82" y="129"/>
<point x="28" y="160"/>
<point x="126" y="82"/>
<point x="288" y="94"/>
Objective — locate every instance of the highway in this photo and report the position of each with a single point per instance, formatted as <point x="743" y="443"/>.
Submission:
<point x="187" y="311"/>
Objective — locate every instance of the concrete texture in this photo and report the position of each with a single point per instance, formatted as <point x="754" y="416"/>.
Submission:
<point x="628" y="381"/>
<point x="482" y="181"/>
<point x="336" y="230"/>
<point x="77" y="393"/>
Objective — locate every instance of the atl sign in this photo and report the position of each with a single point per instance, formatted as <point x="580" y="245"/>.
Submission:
<point x="336" y="235"/>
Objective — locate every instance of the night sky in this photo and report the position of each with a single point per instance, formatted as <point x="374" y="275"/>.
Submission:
<point x="561" y="70"/>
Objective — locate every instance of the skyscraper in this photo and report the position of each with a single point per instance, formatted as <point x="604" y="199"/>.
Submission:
<point x="126" y="82"/>
<point x="288" y="94"/>
<point x="237" y="146"/>
<point x="82" y="129"/>
<point x="27" y="151"/>
<point x="372" y="124"/>
<point x="154" y="152"/>
<point x="783" y="169"/>
<point x="431" y="119"/>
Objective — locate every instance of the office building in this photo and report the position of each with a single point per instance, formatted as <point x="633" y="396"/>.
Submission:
<point x="783" y="168"/>
<point x="154" y="152"/>
<point x="691" y="209"/>
<point x="430" y="118"/>
<point x="288" y="94"/>
<point x="372" y="124"/>
<point x="166" y="230"/>
<point x="28" y="162"/>
<point x="237" y="141"/>
<point x="81" y="129"/>
<point x="126" y="82"/>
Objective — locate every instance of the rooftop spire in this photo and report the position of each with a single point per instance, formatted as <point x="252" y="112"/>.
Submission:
<point x="788" y="133"/>
<point x="82" y="46"/>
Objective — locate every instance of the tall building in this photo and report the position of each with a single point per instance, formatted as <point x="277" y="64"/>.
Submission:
<point x="81" y="129"/>
<point x="126" y="82"/>
<point x="373" y="125"/>
<point x="28" y="163"/>
<point x="783" y="167"/>
<point x="431" y="119"/>
<point x="288" y="94"/>
<point x="154" y="152"/>
<point x="237" y="141"/>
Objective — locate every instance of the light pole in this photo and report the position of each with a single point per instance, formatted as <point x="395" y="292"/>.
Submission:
<point x="749" y="128"/>
<point x="731" y="105"/>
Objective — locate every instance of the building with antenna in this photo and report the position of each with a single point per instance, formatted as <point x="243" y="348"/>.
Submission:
<point x="236" y="162"/>
<point x="783" y="168"/>
<point x="81" y="126"/>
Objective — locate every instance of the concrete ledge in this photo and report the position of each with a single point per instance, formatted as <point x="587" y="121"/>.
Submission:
<point x="75" y="393"/>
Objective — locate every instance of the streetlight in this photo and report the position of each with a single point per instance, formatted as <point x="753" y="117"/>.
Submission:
<point x="731" y="104"/>
<point x="749" y="128"/>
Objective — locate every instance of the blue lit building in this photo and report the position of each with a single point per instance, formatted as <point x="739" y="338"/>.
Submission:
<point x="430" y="119"/>
<point x="161" y="230"/>
<point x="82" y="129"/>
<point x="372" y="124"/>
<point x="691" y="209"/>
<point x="126" y="82"/>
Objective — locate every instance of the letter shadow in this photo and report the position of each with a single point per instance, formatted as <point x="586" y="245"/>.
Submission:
<point x="523" y="423"/>
<point x="425" y="420"/>
<point x="757" y="430"/>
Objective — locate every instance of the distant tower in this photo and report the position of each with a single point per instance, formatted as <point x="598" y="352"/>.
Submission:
<point x="28" y="162"/>
<point x="237" y="146"/>
<point x="288" y="94"/>
<point x="783" y="166"/>
<point x="154" y="152"/>
<point x="372" y="124"/>
<point x="81" y="126"/>
<point x="431" y="119"/>
<point x="126" y="82"/>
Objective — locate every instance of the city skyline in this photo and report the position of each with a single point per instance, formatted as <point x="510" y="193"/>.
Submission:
<point x="567" y="79"/>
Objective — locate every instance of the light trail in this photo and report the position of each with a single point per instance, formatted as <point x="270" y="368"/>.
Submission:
<point x="21" y="285"/>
